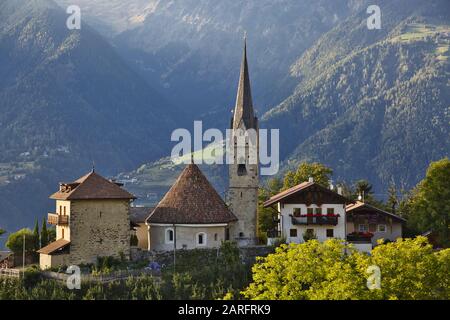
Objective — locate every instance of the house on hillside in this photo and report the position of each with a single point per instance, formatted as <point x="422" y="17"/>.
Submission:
<point x="368" y="223"/>
<point x="91" y="219"/>
<point x="312" y="209"/>
<point x="191" y="215"/>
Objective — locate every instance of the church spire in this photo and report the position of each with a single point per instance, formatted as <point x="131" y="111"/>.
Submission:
<point x="243" y="111"/>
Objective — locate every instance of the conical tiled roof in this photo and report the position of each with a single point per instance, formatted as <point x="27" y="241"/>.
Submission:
<point x="243" y="111"/>
<point x="91" y="186"/>
<point x="191" y="200"/>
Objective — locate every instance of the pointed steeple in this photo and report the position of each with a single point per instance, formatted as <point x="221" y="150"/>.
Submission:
<point x="243" y="111"/>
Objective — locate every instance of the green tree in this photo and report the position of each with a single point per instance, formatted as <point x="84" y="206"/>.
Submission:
<point x="37" y="244"/>
<point x="15" y="241"/>
<point x="428" y="207"/>
<point x="44" y="233"/>
<point x="266" y="215"/>
<point x="51" y="234"/>
<point x="410" y="269"/>
<point x="321" y="174"/>
<point x="393" y="199"/>
<point x="2" y="232"/>
<point x="302" y="271"/>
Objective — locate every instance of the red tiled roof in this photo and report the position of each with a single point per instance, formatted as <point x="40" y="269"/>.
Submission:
<point x="91" y="186"/>
<point x="362" y="205"/>
<point x="299" y="188"/>
<point x="191" y="200"/>
<point x="54" y="246"/>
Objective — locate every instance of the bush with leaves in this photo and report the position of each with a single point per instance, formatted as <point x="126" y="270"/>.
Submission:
<point x="410" y="269"/>
<point x="15" y="241"/>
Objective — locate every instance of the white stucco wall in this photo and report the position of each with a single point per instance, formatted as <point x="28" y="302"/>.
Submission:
<point x="319" y="230"/>
<point x="186" y="237"/>
<point x="393" y="231"/>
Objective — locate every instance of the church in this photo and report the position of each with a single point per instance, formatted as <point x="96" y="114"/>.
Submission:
<point x="192" y="214"/>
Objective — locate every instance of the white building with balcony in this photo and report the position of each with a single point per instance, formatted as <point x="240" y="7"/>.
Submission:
<point x="310" y="210"/>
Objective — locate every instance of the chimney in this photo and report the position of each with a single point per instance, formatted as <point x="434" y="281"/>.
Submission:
<point x="339" y="190"/>
<point x="311" y="180"/>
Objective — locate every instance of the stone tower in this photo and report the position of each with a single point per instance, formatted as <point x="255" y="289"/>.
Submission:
<point x="243" y="171"/>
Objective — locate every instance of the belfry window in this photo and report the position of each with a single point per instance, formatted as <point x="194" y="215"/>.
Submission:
<point x="242" y="171"/>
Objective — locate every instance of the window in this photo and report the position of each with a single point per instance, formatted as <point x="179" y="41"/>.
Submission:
<point x="330" y="211"/>
<point x="201" y="239"/>
<point x="372" y="227"/>
<point x="293" y="233"/>
<point x="297" y="212"/>
<point x="60" y="210"/>
<point x="227" y="234"/>
<point x="64" y="210"/>
<point x="309" y="216"/>
<point x="363" y="228"/>
<point x="330" y="233"/>
<point x="242" y="171"/>
<point x="62" y="233"/>
<point x="319" y="211"/>
<point x="215" y="237"/>
<point x="169" y="236"/>
<point x="382" y="228"/>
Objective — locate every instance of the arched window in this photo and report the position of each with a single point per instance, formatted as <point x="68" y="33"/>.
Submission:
<point x="169" y="235"/>
<point x="201" y="239"/>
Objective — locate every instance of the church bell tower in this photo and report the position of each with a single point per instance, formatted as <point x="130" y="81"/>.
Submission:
<point x="243" y="171"/>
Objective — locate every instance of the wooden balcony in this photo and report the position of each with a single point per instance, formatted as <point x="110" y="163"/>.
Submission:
<point x="330" y="220"/>
<point x="57" y="219"/>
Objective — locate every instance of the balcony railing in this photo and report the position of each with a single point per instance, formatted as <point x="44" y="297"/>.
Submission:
<point x="57" y="219"/>
<point x="362" y="237"/>
<point x="315" y="219"/>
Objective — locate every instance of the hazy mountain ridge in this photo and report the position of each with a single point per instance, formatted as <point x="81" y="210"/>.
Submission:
<point x="67" y="99"/>
<point x="376" y="109"/>
<point x="371" y="104"/>
<point x="199" y="43"/>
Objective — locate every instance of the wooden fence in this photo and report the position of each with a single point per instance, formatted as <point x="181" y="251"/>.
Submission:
<point x="12" y="273"/>
<point x="118" y="275"/>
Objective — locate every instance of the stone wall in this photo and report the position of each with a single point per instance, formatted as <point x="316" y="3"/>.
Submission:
<point x="166" y="258"/>
<point x="99" y="228"/>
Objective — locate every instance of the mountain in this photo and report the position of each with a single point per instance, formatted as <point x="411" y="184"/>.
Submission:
<point x="372" y="103"/>
<point x="197" y="45"/>
<point x="67" y="98"/>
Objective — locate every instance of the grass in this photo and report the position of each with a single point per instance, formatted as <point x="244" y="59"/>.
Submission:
<point x="418" y="31"/>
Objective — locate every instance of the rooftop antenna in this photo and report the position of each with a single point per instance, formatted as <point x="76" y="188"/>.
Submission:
<point x="93" y="166"/>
